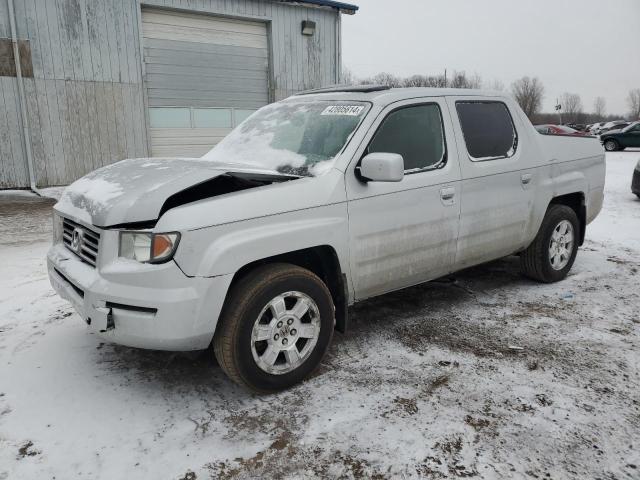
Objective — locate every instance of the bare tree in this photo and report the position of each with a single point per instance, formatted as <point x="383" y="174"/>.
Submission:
<point x="460" y="80"/>
<point x="529" y="93"/>
<point x="599" y="107"/>
<point x="347" y="77"/>
<point x="387" y="79"/>
<point x="415" y="81"/>
<point x="475" y="81"/>
<point x="438" y="81"/>
<point x="633" y="99"/>
<point x="571" y="106"/>
<point x="496" y="85"/>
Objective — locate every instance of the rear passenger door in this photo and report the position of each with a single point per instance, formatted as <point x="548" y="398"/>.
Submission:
<point x="498" y="179"/>
<point x="404" y="233"/>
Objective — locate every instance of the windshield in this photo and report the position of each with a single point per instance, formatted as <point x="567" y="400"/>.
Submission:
<point x="297" y="138"/>
<point x="630" y="127"/>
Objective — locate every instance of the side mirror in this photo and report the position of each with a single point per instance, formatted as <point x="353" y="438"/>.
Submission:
<point x="382" y="167"/>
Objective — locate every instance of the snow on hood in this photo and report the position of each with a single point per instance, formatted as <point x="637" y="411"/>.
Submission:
<point x="135" y="190"/>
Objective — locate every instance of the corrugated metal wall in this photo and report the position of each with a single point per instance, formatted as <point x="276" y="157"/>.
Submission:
<point x="13" y="170"/>
<point x="86" y="102"/>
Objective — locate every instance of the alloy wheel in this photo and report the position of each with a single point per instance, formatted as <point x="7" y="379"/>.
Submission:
<point x="285" y="333"/>
<point x="561" y="245"/>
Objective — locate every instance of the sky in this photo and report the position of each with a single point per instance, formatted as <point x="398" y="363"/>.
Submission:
<point x="588" y="47"/>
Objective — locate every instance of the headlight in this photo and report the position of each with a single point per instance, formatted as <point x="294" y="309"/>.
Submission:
<point x="148" y="247"/>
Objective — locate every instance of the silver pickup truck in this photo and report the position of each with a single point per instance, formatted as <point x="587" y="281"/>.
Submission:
<point x="314" y="203"/>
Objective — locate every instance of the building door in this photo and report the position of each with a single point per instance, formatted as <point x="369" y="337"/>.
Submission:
<point x="204" y="75"/>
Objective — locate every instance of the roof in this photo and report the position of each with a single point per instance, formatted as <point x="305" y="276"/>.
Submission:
<point x="346" y="88"/>
<point x="388" y="95"/>
<point x="341" y="6"/>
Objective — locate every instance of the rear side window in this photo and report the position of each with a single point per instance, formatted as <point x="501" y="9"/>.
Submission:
<point x="415" y="133"/>
<point x="488" y="130"/>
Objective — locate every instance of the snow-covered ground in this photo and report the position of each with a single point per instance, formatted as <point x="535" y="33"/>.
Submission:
<point x="486" y="374"/>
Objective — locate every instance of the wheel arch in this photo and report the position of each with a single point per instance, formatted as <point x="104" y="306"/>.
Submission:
<point x="576" y="201"/>
<point x="324" y="262"/>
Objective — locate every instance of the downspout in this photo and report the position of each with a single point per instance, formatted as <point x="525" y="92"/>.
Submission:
<point x="338" y="59"/>
<point x="23" y="104"/>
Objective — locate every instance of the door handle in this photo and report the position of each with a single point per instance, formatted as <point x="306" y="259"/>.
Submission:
<point x="447" y="193"/>
<point x="447" y="196"/>
<point x="526" y="178"/>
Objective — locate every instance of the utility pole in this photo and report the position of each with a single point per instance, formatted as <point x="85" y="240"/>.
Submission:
<point x="559" y="109"/>
<point x="445" y="78"/>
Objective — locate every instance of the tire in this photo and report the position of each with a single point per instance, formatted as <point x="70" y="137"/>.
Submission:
<point x="260" y="363"/>
<point x="543" y="260"/>
<point x="611" y="145"/>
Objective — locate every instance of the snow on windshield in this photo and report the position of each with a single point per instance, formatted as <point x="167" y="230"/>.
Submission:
<point x="293" y="138"/>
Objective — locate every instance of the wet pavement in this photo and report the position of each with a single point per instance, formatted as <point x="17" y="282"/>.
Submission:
<point x="24" y="218"/>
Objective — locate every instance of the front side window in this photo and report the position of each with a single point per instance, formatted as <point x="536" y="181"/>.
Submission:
<point x="415" y="133"/>
<point x="297" y="138"/>
<point x="634" y="127"/>
<point x="488" y="130"/>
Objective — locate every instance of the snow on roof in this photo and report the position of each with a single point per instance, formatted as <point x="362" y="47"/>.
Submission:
<point x="343" y="7"/>
<point x="389" y="95"/>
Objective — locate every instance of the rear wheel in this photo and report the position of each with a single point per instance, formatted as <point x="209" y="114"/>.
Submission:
<point x="551" y="255"/>
<point x="276" y="326"/>
<point x="611" y="145"/>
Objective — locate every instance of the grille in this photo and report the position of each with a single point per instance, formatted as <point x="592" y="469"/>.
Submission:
<point x="81" y="241"/>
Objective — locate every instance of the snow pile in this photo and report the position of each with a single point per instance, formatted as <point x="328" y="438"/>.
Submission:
<point x="486" y="375"/>
<point x="89" y="196"/>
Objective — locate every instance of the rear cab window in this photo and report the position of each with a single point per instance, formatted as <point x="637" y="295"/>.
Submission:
<point x="488" y="129"/>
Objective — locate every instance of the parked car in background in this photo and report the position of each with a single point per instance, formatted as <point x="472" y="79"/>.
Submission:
<point x="558" y="130"/>
<point x="577" y="126"/>
<point x="620" y="139"/>
<point x="595" y="128"/>
<point x="314" y="203"/>
<point x="635" y="182"/>
<point x="616" y="125"/>
<point x="607" y="125"/>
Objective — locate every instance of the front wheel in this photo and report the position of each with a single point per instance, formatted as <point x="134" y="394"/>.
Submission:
<point x="611" y="146"/>
<point x="276" y="326"/>
<point x="551" y="255"/>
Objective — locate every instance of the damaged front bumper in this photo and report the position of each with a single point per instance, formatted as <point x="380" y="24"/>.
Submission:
<point x="140" y="305"/>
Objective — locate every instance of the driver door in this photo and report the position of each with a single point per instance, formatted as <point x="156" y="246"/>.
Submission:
<point x="632" y="137"/>
<point x="404" y="233"/>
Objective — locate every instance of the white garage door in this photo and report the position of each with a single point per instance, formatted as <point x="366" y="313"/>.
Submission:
<point x="204" y="75"/>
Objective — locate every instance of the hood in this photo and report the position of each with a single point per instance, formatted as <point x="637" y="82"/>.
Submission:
<point x="612" y="132"/>
<point x="140" y="190"/>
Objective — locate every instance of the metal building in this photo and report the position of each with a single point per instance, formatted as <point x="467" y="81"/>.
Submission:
<point x="84" y="83"/>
